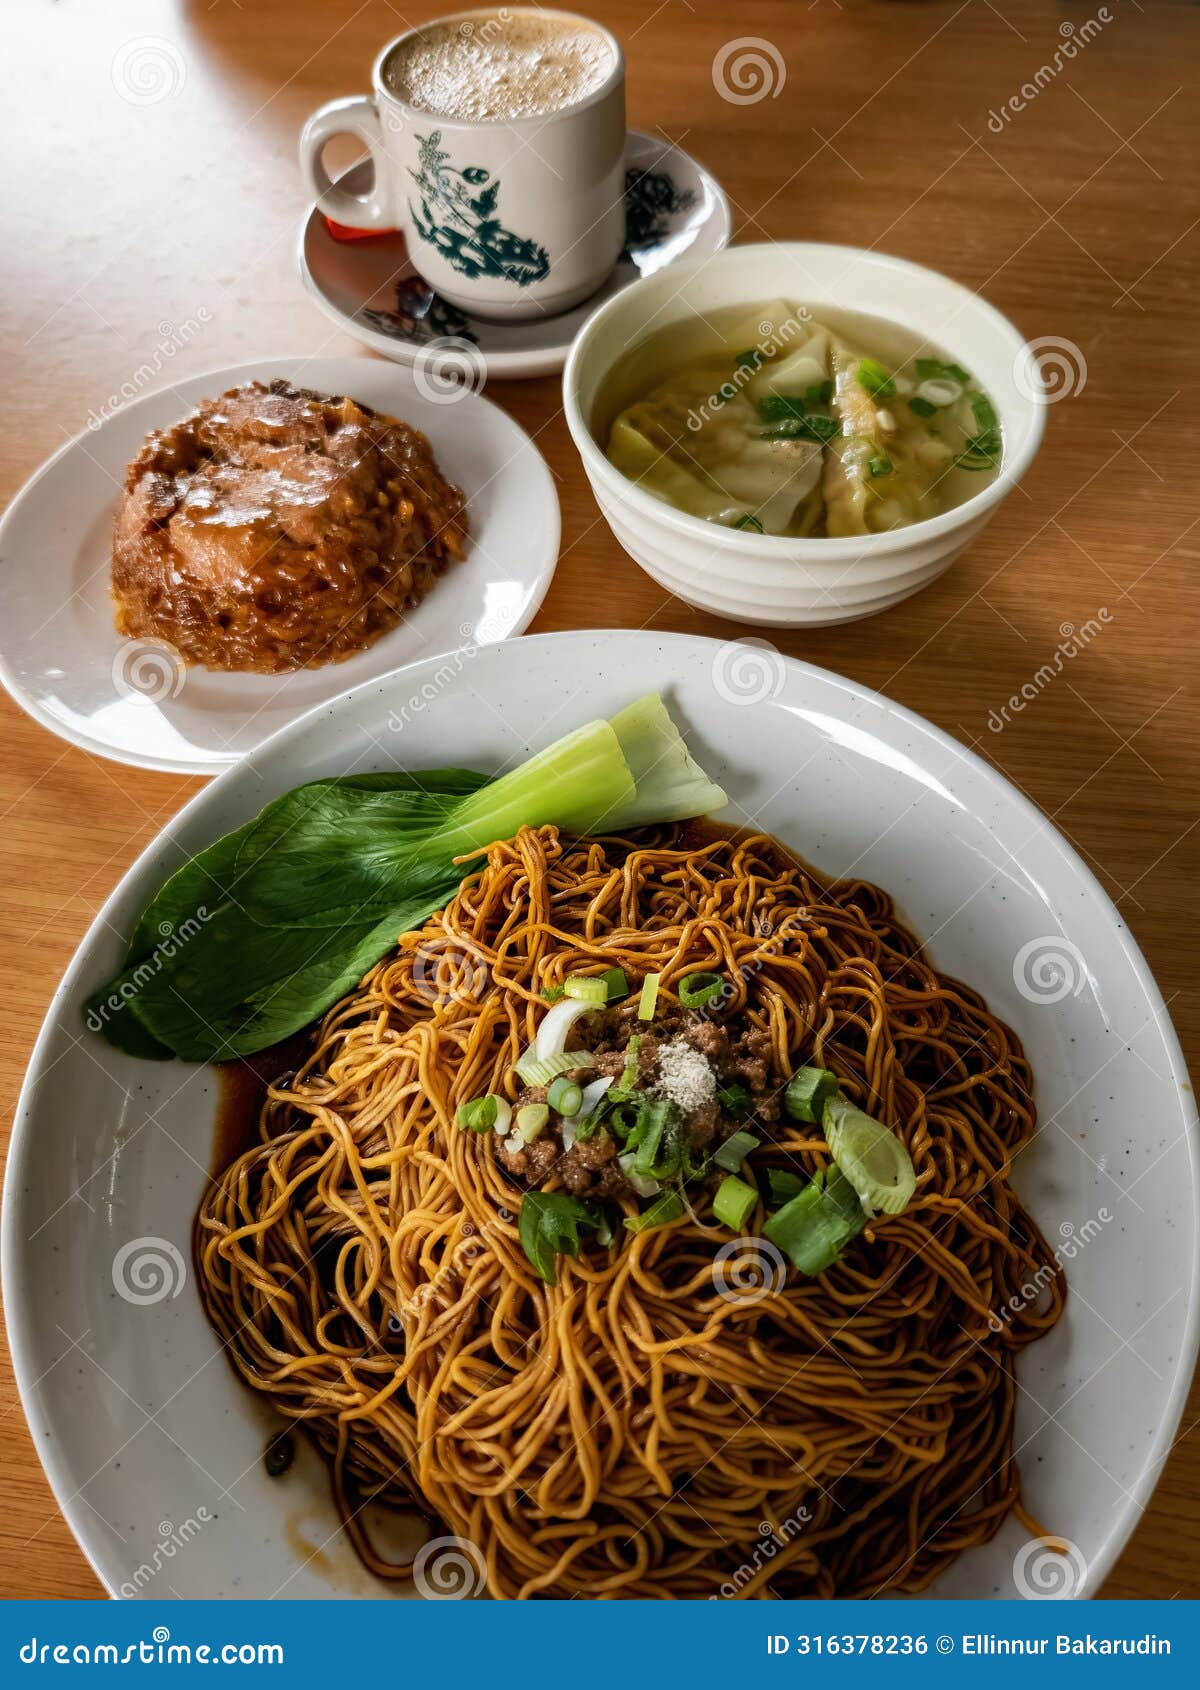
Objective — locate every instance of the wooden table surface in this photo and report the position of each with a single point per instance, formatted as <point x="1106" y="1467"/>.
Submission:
<point x="895" y="128"/>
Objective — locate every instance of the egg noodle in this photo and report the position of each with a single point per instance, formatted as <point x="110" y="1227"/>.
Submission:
<point x="638" y="1428"/>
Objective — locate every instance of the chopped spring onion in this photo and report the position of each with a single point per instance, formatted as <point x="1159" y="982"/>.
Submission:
<point x="735" y="1100"/>
<point x="819" y="394"/>
<point x="586" y="988"/>
<point x="556" y="1026"/>
<point x="939" y="392"/>
<point x="750" y="360"/>
<point x="660" y="1139"/>
<point x="618" y="985"/>
<point x="537" y="1071"/>
<point x="814" y="1226"/>
<point x="879" y="466"/>
<point x="803" y="428"/>
<point x="627" y="1084"/>
<point x="734" y="1202"/>
<point x="809" y="1090"/>
<point x="641" y="1183"/>
<point x="661" y="1212"/>
<point x="784" y="1185"/>
<point x="749" y="521"/>
<point x="734" y="1151"/>
<point x="532" y="1120"/>
<point x="870" y="1156"/>
<point x="877" y="381"/>
<point x="481" y="1114"/>
<point x="697" y="989"/>
<point x="553" y="994"/>
<point x="565" y="1096"/>
<point x="933" y="369"/>
<point x="983" y="449"/>
<point x="648" y="998"/>
<point x="922" y="407"/>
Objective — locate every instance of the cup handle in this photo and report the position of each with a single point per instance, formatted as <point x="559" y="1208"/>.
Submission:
<point x="354" y="116"/>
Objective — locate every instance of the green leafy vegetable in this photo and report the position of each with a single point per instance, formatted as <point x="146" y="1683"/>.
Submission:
<point x="751" y="360"/>
<point x="259" y="934"/>
<point x="922" y="407"/>
<point x="478" y="1116"/>
<point x="549" y="1226"/>
<point x="809" y="1090"/>
<point x="879" y="466"/>
<point x="813" y="1228"/>
<point x="735" y="1100"/>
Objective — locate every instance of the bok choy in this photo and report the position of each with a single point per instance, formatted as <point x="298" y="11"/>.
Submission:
<point x="259" y="934"/>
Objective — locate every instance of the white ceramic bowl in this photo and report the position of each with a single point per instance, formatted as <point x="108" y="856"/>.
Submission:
<point x="770" y="579"/>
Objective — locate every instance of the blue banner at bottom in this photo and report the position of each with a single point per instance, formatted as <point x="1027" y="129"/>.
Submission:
<point x="584" y="1644"/>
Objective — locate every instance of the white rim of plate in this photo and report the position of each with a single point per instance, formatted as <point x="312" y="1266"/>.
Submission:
<point x="16" y="1315"/>
<point x="219" y="763"/>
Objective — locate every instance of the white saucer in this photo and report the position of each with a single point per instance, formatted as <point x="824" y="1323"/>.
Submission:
<point x="64" y="663"/>
<point x="674" y="209"/>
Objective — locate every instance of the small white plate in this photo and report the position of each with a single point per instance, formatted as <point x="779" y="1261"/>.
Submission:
<point x="64" y="663"/>
<point x="144" y="1431"/>
<point x="673" y="209"/>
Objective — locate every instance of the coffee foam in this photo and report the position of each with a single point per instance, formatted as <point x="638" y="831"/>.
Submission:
<point x="506" y="65"/>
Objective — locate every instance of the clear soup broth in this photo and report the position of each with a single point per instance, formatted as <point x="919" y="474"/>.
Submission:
<point x="781" y="419"/>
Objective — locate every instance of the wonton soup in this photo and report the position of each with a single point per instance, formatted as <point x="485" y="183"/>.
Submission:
<point x="778" y="420"/>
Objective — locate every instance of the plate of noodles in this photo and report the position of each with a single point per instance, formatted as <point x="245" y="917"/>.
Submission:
<point x="685" y="1127"/>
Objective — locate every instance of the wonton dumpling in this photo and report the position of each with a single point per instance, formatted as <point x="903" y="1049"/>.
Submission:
<point x="857" y="502"/>
<point x="712" y="460"/>
<point x="805" y="365"/>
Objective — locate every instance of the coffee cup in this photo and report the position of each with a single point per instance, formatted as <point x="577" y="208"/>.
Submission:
<point x="498" y="143"/>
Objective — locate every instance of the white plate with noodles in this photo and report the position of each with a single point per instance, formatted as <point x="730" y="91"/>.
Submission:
<point x="368" y="1266"/>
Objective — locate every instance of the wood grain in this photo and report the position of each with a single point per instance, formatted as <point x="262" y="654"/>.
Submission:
<point x="1076" y="216"/>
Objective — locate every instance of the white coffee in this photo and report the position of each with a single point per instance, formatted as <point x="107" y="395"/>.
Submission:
<point x="500" y="65"/>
